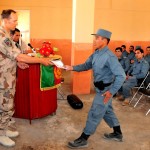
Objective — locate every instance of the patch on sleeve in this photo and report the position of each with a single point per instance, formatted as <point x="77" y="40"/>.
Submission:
<point x="8" y="42"/>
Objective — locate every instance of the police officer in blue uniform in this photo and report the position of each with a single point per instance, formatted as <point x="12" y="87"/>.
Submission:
<point x="147" y="56"/>
<point x="108" y="79"/>
<point x="124" y="61"/>
<point x="124" y="52"/>
<point x="135" y="74"/>
<point x="131" y="55"/>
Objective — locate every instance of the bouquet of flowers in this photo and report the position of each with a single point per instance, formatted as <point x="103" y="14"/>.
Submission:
<point x="46" y="49"/>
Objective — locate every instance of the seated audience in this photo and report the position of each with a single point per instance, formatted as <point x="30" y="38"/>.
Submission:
<point x="124" y="51"/>
<point x="124" y="61"/>
<point x="137" y="72"/>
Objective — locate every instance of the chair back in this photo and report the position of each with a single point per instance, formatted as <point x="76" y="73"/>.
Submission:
<point x="146" y="90"/>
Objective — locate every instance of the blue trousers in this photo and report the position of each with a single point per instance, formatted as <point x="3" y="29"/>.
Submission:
<point x="126" y="87"/>
<point x="100" y="111"/>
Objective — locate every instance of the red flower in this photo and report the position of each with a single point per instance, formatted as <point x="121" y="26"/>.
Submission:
<point x="46" y="49"/>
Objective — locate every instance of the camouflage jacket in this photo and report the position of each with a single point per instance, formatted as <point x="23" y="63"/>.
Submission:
<point x="8" y="54"/>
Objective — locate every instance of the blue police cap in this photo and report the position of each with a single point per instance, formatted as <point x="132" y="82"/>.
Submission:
<point x="103" y="33"/>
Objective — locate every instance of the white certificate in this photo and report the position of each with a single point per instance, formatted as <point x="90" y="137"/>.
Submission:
<point x="58" y="63"/>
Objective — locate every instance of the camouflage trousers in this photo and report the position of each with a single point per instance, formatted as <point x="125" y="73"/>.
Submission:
<point x="6" y="110"/>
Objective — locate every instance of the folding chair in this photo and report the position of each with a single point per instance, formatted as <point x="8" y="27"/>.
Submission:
<point x="147" y="112"/>
<point x="60" y="91"/>
<point x="139" y="87"/>
<point x="145" y="92"/>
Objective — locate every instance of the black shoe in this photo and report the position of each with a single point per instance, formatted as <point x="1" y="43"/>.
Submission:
<point x="113" y="136"/>
<point x="78" y="143"/>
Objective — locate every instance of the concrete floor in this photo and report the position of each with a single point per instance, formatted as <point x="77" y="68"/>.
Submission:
<point x="53" y="132"/>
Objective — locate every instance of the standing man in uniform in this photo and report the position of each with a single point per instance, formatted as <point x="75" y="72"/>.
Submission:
<point x="108" y="78"/>
<point x="10" y="56"/>
<point x="124" y="61"/>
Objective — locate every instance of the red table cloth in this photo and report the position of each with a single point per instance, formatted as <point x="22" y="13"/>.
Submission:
<point x="30" y="101"/>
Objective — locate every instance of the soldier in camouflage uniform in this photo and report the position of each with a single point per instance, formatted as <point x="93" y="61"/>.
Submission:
<point x="10" y="56"/>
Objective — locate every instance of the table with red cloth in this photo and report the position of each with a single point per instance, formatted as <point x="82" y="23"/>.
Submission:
<point x="30" y="101"/>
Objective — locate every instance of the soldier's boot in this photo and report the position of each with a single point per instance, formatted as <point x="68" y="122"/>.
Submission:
<point x="6" y="141"/>
<point x="80" y="142"/>
<point x="12" y="134"/>
<point x="113" y="136"/>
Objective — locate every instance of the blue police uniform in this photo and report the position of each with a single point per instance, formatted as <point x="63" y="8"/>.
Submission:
<point x="131" y="56"/>
<point x="147" y="58"/>
<point x="138" y="71"/>
<point x="125" y="62"/>
<point x="105" y="68"/>
<point x="125" y="53"/>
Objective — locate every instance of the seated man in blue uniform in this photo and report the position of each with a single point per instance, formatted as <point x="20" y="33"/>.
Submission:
<point x="131" y="54"/>
<point x="136" y="73"/>
<point x="124" y="61"/>
<point x="124" y="51"/>
<point x="108" y="79"/>
<point x="147" y="56"/>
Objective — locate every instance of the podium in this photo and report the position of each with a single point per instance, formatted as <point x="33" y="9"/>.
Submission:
<point x="30" y="101"/>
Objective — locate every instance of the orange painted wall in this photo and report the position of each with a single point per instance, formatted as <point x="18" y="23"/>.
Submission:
<point x="127" y="19"/>
<point x="50" y="20"/>
<point x="64" y="47"/>
<point x="81" y="80"/>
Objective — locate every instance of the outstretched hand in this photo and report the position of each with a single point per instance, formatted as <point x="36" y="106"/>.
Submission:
<point x="68" y="68"/>
<point x="107" y="95"/>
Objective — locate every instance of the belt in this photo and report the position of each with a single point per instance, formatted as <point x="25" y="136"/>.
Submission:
<point x="107" y="84"/>
<point x="100" y="85"/>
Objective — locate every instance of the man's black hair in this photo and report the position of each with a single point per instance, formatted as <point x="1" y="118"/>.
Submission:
<point x="119" y="48"/>
<point x="12" y="32"/>
<point x="139" y="49"/>
<point x="123" y="46"/>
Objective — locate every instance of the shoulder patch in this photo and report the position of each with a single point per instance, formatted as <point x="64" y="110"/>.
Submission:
<point x="8" y="42"/>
